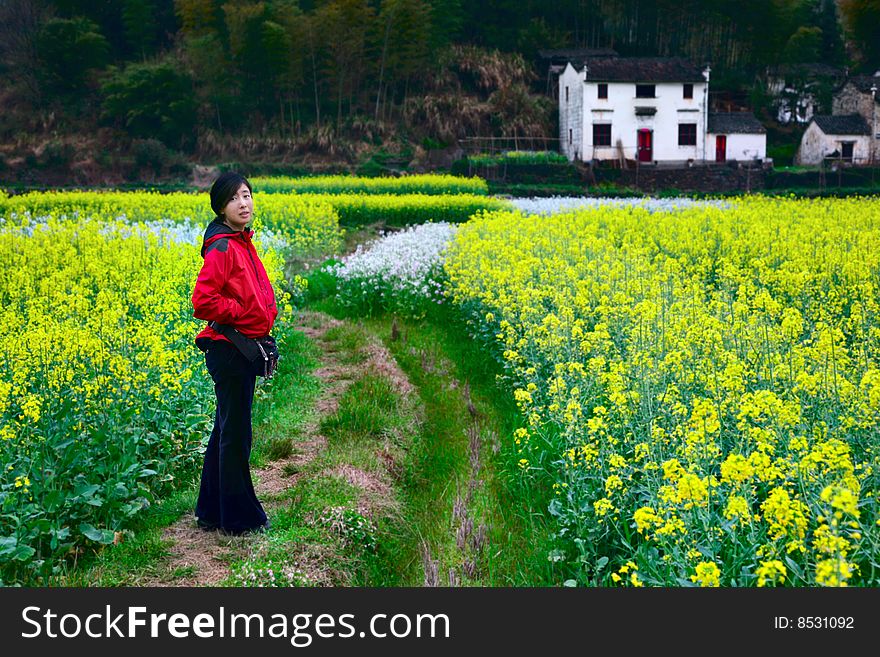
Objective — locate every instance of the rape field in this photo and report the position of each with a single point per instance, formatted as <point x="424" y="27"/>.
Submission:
<point x="100" y="407"/>
<point x="412" y="184"/>
<point x="100" y="410"/>
<point x="701" y="387"/>
<point x="103" y="408"/>
<point x="304" y="225"/>
<point x="306" y="222"/>
<point x="699" y="383"/>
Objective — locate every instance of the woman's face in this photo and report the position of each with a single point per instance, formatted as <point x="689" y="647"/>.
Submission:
<point x="240" y="209"/>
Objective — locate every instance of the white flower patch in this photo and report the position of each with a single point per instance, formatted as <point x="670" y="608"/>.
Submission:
<point x="166" y="230"/>
<point x="557" y="204"/>
<point x="401" y="263"/>
<point x="187" y="232"/>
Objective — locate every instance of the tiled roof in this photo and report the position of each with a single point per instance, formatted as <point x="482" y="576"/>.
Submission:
<point x="642" y="69"/>
<point x="842" y="124"/>
<point x="726" y="123"/>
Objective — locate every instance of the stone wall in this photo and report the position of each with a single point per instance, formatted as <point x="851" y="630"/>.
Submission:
<point x="708" y="179"/>
<point x="850" y="100"/>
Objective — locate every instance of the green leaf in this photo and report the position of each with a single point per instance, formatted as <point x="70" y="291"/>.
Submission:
<point x="53" y="500"/>
<point x="603" y="561"/>
<point x="63" y="445"/>
<point x="85" y="490"/>
<point x="58" y="535"/>
<point x="11" y="549"/>
<point x="793" y="566"/>
<point x="570" y="583"/>
<point x="103" y="536"/>
<point x="23" y="553"/>
<point x="194" y="420"/>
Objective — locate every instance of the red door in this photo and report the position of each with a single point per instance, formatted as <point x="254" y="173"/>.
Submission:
<point x="720" y="148"/>
<point x="645" y="141"/>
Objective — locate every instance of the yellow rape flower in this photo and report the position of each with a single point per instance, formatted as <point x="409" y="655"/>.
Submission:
<point x="771" y="572"/>
<point x="736" y="469"/>
<point x="707" y="574"/>
<point x="737" y="508"/>
<point x="833" y="572"/>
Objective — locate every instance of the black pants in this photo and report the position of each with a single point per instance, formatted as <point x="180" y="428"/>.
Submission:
<point x="226" y="498"/>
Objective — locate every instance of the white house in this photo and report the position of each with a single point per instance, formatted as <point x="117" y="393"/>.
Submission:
<point x="736" y="136"/>
<point x="647" y="109"/>
<point x="844" y="137"/>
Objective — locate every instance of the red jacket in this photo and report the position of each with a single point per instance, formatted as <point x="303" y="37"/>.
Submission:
<point x="232" y="287"/>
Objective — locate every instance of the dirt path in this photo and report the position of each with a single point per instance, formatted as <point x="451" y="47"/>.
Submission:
<point x="201" y="558"/>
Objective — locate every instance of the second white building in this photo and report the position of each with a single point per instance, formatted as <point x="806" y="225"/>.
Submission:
<point x="650" y="110"/>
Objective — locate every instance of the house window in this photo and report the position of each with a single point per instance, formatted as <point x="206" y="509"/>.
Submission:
<point x="645" y="91"/>
<point x="603" y="90"/>
<point x="569" y="136"/>
<point x="846" y="149"/>
<point x="601" y="134"/>
<point x="688" y="91"/>
<point x="566" y="94"/>
<point x="687" y="134"/>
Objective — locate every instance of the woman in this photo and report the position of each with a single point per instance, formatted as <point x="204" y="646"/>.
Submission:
<point x="233" y="289"/>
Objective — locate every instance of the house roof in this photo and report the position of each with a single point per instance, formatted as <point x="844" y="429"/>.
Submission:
<point x="642" y="69"/>
<point x="842" y="124"/>
<point x="734" y="123"/>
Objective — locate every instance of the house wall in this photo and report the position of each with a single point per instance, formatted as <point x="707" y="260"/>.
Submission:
<point x="849" y="100"/>
<point x="571" y="113"/>
<point x="740" y="147"/>
<point x="619" y="110"/>
<point x="815" y="145"/>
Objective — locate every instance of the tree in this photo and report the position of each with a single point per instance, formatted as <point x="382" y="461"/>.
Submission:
<point x="832" y="42"/>
<point x="344" y="26"/>
<point x="447" y="19"/>
<point x="403" y="38"/>
<point x="19" y="57"/>
<point x="290" y="70"/>
<point x="261" y="39"/>
<point x="214" y="80"/>
<point x="152" y="100"/>
<point x="862" y="21"/>
<point x="803" y="46"/>
<point x="196" y="17"/>
<point x="141" y="27"/>
<point x="58" y="39"/>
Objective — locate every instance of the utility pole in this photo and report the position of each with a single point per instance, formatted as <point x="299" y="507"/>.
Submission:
<point x="875" y="141"/>
<point x="706" y="72"/>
